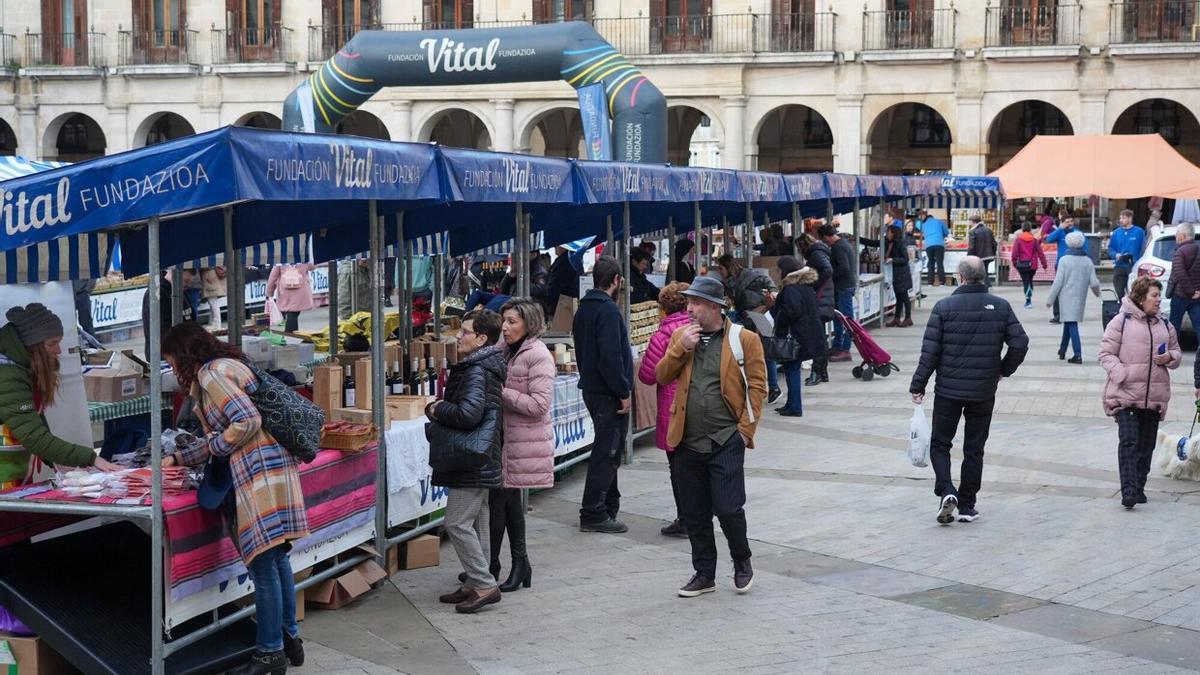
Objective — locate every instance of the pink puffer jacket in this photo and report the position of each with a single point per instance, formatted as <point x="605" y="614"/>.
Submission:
<point x="654" y="353"/>
<point x="528" y="434"/>
<point x="1127" y="350"/>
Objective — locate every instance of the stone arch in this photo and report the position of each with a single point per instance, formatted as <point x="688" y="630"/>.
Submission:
<point x="1167" y="117"/>
<point x="794" y="138"/>
<point x="459" y="127"/>
<point x="557" y="132"/>
<point x="8" y="139"/>
<point x="259" y="120"/>
<point x="362" y="123"/>
<point x="909" y="137"/>
<point x="161" y="126"/>
<point x="73" y="137"/>
<point x="529" y="121"/>
<point x="1018" y="123"/>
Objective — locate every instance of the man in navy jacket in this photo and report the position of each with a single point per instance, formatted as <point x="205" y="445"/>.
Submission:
<point x="606" y="378"/>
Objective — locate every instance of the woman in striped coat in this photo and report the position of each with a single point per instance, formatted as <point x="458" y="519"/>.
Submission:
<point x="265" y="509"/>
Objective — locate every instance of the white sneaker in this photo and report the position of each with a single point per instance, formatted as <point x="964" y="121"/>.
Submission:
<point x="946" y="511"/>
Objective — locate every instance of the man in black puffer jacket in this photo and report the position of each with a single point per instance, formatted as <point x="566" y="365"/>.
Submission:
<point x="963" y="342"/>
<point x="466" y="420"/>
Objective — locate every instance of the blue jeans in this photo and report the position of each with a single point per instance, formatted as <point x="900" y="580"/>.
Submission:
<point x="1181" y="306"/>
<point x="772" y="375"/>
<point x="193" y="300"/>
<point x="795" y="383"/>
<point x="844" y="300"/>
<point x="1070" y="333"/>
<point x="274" y="598"/>
<point x="492" y="301"/>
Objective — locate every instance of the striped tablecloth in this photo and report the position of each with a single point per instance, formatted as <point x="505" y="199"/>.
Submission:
<point x="99" y="411"/>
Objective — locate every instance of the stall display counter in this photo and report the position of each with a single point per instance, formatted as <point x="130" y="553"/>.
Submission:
<point x="103" y="411"/>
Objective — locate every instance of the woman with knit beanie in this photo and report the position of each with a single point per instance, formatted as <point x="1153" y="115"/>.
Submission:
<point x="30" y="344"/>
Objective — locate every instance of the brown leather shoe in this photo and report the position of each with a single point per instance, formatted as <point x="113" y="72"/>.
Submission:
<point x="893" y="323"/>
<point x="456" y="596"/>
<point x="839" y="356"/>
<point x="478" y="600"/>
<point x="906" y="323"/>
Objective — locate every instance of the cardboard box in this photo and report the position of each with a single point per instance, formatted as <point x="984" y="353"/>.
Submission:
<point x="121" y="380"/>
<point x="35" y="657"/>
<point x="349" y="358"/>
<point x="400" y="408"/>
<point x="327" y="387"/>
<point x="362" y="384"/>
<point x="564" y="314"/>
<point x="339" y="591"/>
<point x="355" y="415"/>
<point x="424" y="551"/>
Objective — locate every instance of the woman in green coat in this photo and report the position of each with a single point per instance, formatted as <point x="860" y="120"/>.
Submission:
<point x="30" y="344"/>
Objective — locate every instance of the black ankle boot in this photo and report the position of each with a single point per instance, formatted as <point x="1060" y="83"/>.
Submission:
<point x="293" y="648"/>
<point x="520" y="575"/>
<point x="272" y="663"/>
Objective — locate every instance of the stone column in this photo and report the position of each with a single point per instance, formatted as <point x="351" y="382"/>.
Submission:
<point x="1093" y="118"/>
<point x="503" y="142"/>
<point x="968" y="153"/>
<point x="29" y="142"/>
<point x="734" y="153"/>
<point x="401" y="129"/>
<point x="848" y="145"/>
<point x="116" y="130"/>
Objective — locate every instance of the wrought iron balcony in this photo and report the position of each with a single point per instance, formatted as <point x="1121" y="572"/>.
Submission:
<point x="252" y="45"/>
<point x="1154" y="21"/>
<point x="157" y="47"/>
<point x="909" y="29"/>
<point x="1040" y="26"/>
<point x="64" y="49"/>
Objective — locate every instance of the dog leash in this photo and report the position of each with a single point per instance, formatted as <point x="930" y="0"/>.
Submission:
<point x="1181" y="446"/>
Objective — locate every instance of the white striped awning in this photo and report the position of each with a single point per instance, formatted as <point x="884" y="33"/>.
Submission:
<point x="429" y="245"/>
<point x="286" y="251"/>
<point x="506" y="247"/>
<point x="69" y="258"/>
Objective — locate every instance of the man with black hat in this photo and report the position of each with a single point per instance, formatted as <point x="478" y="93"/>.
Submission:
<point x="722" y="381"/>
<point x="640" y="288"/>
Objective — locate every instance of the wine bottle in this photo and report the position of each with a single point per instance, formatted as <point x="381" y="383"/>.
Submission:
<point x="441" y="381"/>
<point x="396" y="383"/>
<point x="431" y="378"/>
<point x="349" y="387"/>
<point x="414" y="377"/>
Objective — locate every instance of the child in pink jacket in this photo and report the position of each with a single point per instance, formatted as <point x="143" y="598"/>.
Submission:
<point x="673" y="305"/>
<point x="1139" y="349"/>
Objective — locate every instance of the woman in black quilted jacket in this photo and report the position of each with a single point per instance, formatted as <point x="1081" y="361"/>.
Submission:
<point x="465" y="452"/>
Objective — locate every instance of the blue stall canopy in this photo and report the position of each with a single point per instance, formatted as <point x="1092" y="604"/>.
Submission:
<point x="80" y="256"/>
<point x="966" y="192"/>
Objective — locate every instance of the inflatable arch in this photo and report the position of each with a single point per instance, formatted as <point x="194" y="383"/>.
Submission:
<point x="572" y="51"/>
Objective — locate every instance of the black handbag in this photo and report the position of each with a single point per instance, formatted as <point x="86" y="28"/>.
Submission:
<point x="292" y="420"/>
<point x="453" y="449"/>
<point x="781" y="349"/>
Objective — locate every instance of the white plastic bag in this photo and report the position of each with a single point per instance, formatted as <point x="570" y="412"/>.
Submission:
<point x="918" y="438"/>
<point x="276" y="316"/>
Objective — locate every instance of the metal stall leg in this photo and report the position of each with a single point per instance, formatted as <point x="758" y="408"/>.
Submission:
<point x="177" y="296"/>
<point x="671" y="262"/>
<point x="626" y="244"/>
<point x="748" y="238"/>
<point x="230" y="263"/>
<point x="332" y="271"/>
<point x="157" y="654"/>
<point x="697" y="217"/>
<point x="379" y="411"/>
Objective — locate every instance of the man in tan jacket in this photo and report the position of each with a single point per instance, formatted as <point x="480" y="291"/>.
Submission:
<point x="722" y="385"/>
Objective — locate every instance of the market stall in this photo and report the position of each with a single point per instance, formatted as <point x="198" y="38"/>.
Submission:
<point x="955" y="201"/>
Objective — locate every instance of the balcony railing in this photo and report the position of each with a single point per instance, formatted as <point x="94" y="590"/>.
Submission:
<point x="9" y="58"/>
<point x="909" y="29"/>
<point x="64" y="49"/>
<point x="157" y="47"/>
<point x="1147" y="21"/>
<point x="642" y="36"/>
<point x="252" y="45"/>
<point x="1039" y="26"/>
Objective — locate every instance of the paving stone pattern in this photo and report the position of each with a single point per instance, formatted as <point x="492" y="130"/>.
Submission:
<point x="853" y="572"/>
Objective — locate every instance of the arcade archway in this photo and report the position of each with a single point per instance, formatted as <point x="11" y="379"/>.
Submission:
<point x="795" y="139"/>
<point x="909" y="138"/>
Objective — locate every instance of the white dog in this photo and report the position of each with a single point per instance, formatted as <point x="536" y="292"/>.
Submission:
<point x="1167" y="458"/>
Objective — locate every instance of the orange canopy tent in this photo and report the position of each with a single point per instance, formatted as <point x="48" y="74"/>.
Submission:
<point x="1114" y="166"/>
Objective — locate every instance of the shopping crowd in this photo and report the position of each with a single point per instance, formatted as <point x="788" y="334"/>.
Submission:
<point x="726" y="333"/>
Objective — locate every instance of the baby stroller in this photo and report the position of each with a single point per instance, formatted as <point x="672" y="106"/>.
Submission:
<point x="876" y="360"/>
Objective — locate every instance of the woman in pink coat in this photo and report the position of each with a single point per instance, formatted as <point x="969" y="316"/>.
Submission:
<point x="674" y="308"/>
<point x="528" y="434"/>
<point x="295" y="292"/>
<point x="1138" y="350"/>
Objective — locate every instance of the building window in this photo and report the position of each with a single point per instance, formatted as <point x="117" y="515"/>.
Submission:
<point x="1039" y="119"/>
<point x="64" y="32"/>
<point x="449" y="13"/>
<point x="1158" y="117"/>
<point x="680" y="25"/>
<point x="927" y="129"/>
<point x="553" y="11"/>
<point x="350" y="12"/>
<point x="158" y="23"/>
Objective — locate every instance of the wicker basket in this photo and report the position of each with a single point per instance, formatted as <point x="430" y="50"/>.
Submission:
<point x="337" y="440"/>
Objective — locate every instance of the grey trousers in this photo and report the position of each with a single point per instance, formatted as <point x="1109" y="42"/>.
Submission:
<point x="346" y="289"/>
<point x="466" y="523"/>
